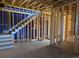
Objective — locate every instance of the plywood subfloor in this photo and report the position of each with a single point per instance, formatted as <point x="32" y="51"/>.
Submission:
<point x="36" y="49"/>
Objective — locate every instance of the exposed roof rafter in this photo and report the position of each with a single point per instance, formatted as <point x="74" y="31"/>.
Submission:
<point x="38" y="6"/>
<point x="44" y="5"/>
<point x="32" y="4"/>
<point x="23" y="2"/>
<point x="57" y="1"/>
<point x="3" y="1"/>
<point x="29" y="1"/>
<point x="13" y="2"/>
<point x="43" y="8"/>
<point x="47" y="8"/>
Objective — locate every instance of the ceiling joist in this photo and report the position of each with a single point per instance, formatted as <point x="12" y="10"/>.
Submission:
<point x="29" y="1"/>
<point x="44" y="5"/>
<point x="57" y="1"/>
<point x="23" y="2"/>
<point x="13" y="2"/>
<point x="43" y="8"/>
<point x="35" y="4"/>
<point x="38" y="6"/>
<point x="47" y="8"/>
<point x="32" y="4"/>
<point x="3" y="1"/>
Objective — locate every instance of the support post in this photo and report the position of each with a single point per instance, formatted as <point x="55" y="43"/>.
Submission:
<point x="62" y="25"/>
<point x="42" y="27"/>
<point x="37" y="28"/>
<point x="34" y="28"/>
<point x="76" y="29"/>
<point x="45" y="26"/>
<point x="28" y="32"/>
<point x="49" y="26"/>
<point x="52" y="40"/>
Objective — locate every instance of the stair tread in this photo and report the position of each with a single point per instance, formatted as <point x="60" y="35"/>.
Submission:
<point x="3" y="36"/>
<point x="6" y="47"/>
<point x="6" y="39"/>
<point x="6" y="43"/>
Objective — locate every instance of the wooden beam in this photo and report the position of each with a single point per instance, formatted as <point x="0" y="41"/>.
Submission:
<point x="13" y="2"/>
<point x="53" y="2"/>
<point x="35" y="4"/>
<point x="57" y="1"/>
<point x="47" y="12"/>
<point x="28" y="3"/>
<point x="23" y="2"/>
<point x="63" y="3"/>
<point x="47" y="7"/>
<point x="3" y="1"/>
<point x="43" y="7"/>
<point x="32" y="4"/>
<point x="38" y="6"/>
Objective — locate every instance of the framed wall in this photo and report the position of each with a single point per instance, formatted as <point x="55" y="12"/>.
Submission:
<point x="65" y="21"/>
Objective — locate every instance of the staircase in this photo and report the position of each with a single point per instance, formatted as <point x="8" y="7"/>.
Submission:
<point x="6" y="41"/>
<point x="32" y="14"/>
<point x="22" y="24"/>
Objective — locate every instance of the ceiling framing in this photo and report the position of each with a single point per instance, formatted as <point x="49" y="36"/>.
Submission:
<point x="41" y="5"/>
